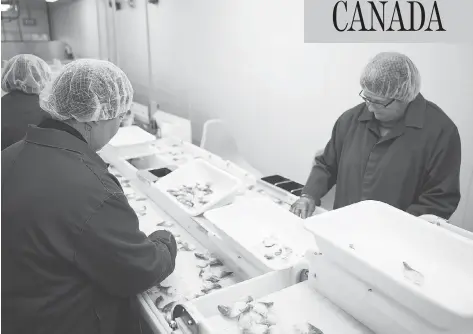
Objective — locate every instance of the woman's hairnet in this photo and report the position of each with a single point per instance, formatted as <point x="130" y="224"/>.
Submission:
<point x="26" y="73"/>
<point x="88" y="90"/>
<point x="393" y="76"/>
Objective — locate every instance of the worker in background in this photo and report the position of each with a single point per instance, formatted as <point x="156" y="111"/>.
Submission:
<point x="73" y="258"/>
<point x="23" y="78"/>
<point x="395" y="147"/>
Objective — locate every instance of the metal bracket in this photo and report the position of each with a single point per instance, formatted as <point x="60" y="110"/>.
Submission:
<point x="304" y="275"/>
<point x="179" y="312"/>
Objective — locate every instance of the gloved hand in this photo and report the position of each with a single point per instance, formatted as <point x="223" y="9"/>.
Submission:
<point x="304" y="207"/>
<point x="166" y="238"/>
<point x="433" y="219"/>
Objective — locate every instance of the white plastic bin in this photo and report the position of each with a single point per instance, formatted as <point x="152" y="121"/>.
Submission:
<point x="223" y="184"/>
<point x="372" y="241"/>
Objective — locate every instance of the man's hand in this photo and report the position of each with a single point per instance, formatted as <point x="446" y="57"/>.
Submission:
<point x="304" y="207"/>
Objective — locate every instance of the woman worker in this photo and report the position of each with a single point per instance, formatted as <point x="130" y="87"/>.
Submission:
<point x="23" y="79"/>
<point x="396" y="147"/>
<point x="73" y="257"/>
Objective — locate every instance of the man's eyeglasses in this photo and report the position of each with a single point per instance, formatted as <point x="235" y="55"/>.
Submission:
<point x="367" y="100"/>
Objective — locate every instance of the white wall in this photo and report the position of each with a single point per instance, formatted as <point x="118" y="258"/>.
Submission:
<point x="104" y="25"/>
<point x="245" y="61"/>
<point x="76" y="24"/>
<point x="132" y="46"/>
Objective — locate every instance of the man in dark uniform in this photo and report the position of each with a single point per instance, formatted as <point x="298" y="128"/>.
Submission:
<point x="396" y="147"/>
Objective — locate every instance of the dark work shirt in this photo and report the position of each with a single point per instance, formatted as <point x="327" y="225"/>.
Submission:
<point x="18" y="111"/>
<point x="415" y="167"/>
<point x="58" y="125"/>
<point x="73" y="257"/>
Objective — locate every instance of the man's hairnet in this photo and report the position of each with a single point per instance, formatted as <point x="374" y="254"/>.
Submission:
<point x="88" y="90"/>
<point x="391" y="75"/>
<point x="26" y="73"/>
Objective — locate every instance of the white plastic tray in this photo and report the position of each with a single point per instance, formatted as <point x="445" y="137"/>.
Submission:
<point x="224" y="185"/>
<point x="371" y="240"/>
<point x="293" y="304"/>
<point x="131" y="135"/>
<point x="248" y="221"/>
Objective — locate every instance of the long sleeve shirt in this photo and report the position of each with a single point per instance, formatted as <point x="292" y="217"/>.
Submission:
<point x="72" y="252"/>
<point x="415" y="167"/>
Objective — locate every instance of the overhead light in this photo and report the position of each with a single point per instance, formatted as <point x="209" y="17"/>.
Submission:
<point x="51" y="0"/>
<point x="6" y="7"/>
